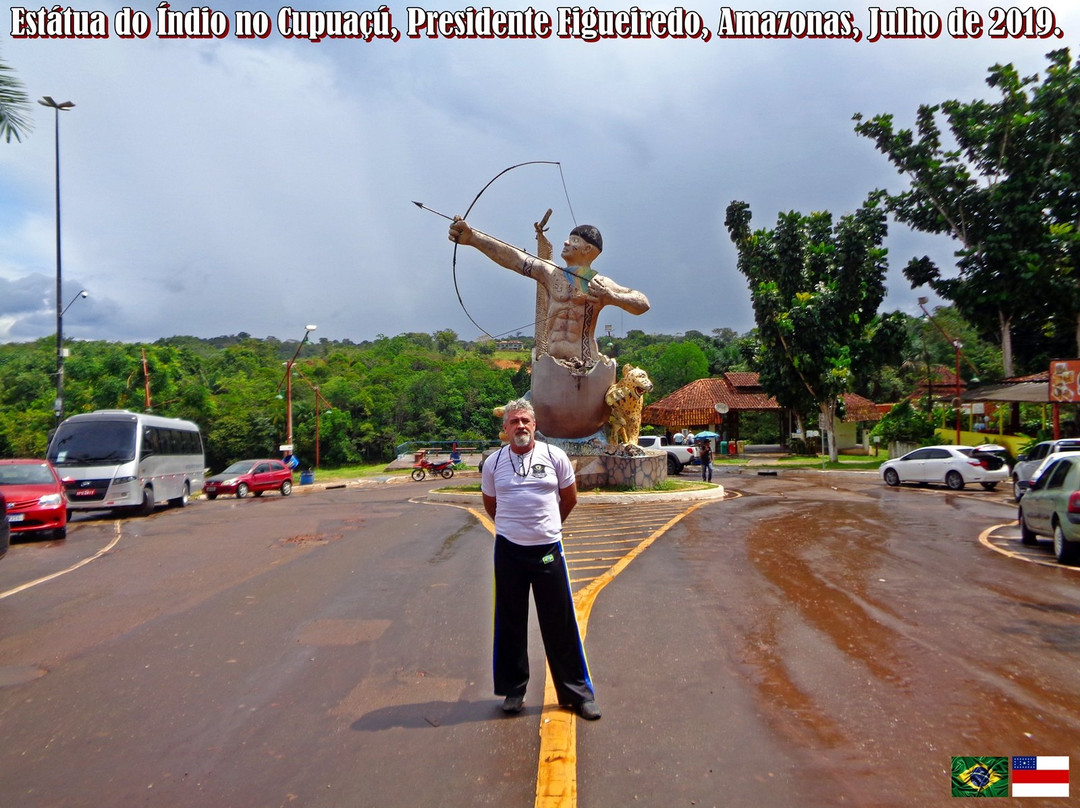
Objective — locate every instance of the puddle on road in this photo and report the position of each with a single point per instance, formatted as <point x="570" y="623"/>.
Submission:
<point x="20" y="674"/>
<point x="865" y="625"/>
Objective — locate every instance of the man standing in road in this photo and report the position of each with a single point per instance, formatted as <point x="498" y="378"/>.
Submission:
<point x="706" y="459"/>
<point x="529" y="490"/>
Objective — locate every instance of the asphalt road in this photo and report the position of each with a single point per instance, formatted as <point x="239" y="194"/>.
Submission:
<point x="810" y="640"/>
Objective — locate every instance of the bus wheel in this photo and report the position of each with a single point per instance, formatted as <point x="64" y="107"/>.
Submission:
<point x="182" y="500"/>
<point x="147" y="506"/>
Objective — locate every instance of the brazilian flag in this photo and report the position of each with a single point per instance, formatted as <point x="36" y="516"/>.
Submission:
<point x="980" y="777"/>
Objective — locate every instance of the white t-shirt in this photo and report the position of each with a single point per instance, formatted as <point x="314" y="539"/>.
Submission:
<point x="526" y="489"/>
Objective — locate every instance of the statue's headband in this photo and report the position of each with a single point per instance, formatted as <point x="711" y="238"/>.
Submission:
<point x="589" y="234"/>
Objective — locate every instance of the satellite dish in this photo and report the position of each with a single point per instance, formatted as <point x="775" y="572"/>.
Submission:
<point x="721" y="408"/>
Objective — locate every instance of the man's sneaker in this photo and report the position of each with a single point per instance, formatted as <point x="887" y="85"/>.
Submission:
<point x="513" y="704"/>
<point x="589" y="710"/>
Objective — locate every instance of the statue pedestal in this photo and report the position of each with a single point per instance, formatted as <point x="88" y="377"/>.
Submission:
<point x="569" y="403"/>
<point x="620" y="471"/>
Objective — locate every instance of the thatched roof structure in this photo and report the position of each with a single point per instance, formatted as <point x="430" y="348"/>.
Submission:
<point x="695" y="404"/>
<point x="857" y="408"/>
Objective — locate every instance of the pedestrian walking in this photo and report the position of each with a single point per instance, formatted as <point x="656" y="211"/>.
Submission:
<point x="706" y="460"/>
<point x="529" y="489"/>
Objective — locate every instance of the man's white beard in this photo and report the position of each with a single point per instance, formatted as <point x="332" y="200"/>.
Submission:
<point x="522" y="439"/>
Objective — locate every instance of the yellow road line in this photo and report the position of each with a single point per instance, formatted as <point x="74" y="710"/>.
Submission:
<point x="984" y="539"/>
<point x="556" y="776"/>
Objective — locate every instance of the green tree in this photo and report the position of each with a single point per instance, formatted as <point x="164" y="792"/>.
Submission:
<point x="815" y="289"/>
<point x="446" y="341"/>
<point x="1004" y="187"/>
<point x="679" y="364"/>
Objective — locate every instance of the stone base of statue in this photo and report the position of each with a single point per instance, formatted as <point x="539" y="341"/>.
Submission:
<point x="569" y="402"/>
<point x="615" y="471"/>
<point x="597" y="465"/>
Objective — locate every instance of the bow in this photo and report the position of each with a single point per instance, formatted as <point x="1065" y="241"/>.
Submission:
<point x="476" y="199"/>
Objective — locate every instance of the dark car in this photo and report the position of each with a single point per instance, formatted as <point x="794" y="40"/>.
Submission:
<point x="250" y="476"/>
<point x="35" y="497"/>
<point x="5" y="531"/>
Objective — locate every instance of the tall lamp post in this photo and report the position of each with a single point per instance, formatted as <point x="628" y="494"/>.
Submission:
<point x="288" y="389"/>
<point x="59" y="405"/>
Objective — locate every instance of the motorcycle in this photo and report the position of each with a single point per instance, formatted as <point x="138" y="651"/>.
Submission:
<point x="441" y="468"/>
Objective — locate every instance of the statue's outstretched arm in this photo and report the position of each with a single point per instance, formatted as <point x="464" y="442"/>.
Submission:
<point x="500" y="252"/>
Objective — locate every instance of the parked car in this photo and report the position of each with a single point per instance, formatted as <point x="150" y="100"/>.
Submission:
<point x="5" y="530"/>
<point x="250" y="476"/>
<point x="679" y="456"/>
<point x="1051" y="507"/>
<point x="955" y="466"/>
<point x="35" y="497"/>
<point x="1026" y="464"/>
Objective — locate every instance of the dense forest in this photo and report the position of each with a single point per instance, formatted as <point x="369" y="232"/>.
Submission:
<point x="375" y="395"/>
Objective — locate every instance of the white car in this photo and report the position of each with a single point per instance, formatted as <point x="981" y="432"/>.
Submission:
<point x="955" y="466"/>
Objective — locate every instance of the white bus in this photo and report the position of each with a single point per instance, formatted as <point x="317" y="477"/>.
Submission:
<point x="123" y="459"/>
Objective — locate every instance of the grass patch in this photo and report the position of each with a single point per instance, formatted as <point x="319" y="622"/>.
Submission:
<point x="844" y="463"/>
<point x="357" y="472"/>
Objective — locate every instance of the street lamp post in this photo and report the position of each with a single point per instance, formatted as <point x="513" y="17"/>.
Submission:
<point x="63" y="352"/>
<point x="288" y="388"/>
<point x="59" y="405"/>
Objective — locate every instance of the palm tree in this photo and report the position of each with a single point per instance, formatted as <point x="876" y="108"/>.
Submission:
<point x="14" y="105"/>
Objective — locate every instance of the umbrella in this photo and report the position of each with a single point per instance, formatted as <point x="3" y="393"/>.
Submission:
<point x="706" y="435"/>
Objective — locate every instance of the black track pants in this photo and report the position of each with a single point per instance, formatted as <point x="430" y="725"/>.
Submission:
<point x="517" y="569"/>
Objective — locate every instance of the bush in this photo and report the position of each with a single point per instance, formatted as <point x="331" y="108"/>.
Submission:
<point x="904" y="424"/>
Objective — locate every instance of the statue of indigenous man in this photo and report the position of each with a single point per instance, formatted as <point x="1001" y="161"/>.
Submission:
<point x="570" y="376"/>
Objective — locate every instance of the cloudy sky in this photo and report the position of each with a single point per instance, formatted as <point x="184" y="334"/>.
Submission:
<point x="216" y="186"/>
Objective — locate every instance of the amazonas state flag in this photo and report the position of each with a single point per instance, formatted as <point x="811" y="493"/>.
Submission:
<point x="1040" y="776"/>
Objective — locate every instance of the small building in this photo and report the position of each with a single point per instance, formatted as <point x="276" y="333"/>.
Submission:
<point x="852" y="431"/>
<point x="713" y="404"/>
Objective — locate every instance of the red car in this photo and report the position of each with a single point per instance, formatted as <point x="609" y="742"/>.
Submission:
<point x="254" y="476"/>
<point x="35" y="497"/>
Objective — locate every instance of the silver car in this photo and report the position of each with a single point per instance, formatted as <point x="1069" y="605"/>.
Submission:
<point x="1026" y="464"/>
<point x="955" y="466"/>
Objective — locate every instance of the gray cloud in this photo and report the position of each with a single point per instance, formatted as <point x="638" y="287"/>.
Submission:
<point x="216" y="187"/>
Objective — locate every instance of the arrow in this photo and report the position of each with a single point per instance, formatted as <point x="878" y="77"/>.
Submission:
<point x="586" y="277"/>
<point x="422" y="206"/>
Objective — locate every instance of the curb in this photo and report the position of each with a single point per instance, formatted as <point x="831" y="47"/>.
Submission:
<point x="589" y="497"/>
